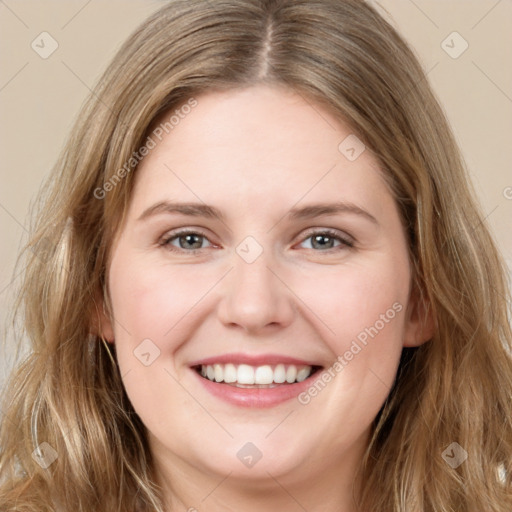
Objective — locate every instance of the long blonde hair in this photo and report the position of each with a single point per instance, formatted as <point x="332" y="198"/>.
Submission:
<point x="456" y="388"/>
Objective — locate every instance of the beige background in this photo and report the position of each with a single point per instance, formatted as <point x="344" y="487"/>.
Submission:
<point x="39" y="97"/>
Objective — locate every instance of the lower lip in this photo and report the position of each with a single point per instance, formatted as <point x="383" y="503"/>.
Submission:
<point x="256" y="397"/>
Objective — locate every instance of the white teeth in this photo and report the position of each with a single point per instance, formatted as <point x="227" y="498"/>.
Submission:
<point x="245" y="374"/>
<point x="219" y="374"/>
<point x="302" y="374"/>
<point x="279" y="374"/>
<point x="264" y="375"/>
<point x="230" y="373"/>
<point x="291" y="374"/>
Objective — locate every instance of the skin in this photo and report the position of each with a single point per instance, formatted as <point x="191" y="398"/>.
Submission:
<point x="254" y="154"/>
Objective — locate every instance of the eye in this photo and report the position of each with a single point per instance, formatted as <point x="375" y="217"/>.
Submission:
<point x="327" y="239"/>
<point x="192" y="241"/>
<point x="188" y="241"/>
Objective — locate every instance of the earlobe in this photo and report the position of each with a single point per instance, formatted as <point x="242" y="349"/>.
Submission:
<point x="419" y="322"/>
<point x="101" y="324"/>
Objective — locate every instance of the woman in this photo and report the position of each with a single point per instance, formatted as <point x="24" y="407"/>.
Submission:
<point x="260" y="292"/>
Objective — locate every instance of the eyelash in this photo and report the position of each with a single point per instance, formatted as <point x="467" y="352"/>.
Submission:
<point x="345" y="242"/>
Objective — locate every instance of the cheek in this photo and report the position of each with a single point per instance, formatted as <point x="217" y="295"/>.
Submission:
<point x="362" y="310"/>
<point x="352" y="299"/>
<point x="365" y="307"/>
<point x="150" y="300"/>
<point x="153" y="306"/>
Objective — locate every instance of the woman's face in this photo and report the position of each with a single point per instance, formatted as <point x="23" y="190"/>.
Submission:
<point x="261" y="245"/>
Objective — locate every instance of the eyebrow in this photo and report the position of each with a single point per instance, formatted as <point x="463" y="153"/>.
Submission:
<point x="297" y="213"/>
<point x="191" y="209"/>
<point x="317" y="210"/>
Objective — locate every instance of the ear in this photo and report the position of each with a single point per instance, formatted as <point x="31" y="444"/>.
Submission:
<point x="420" y="325"/>
<point x="101" y="323"/>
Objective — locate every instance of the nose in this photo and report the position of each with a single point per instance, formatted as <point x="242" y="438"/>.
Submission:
<point x="255" y="297"/>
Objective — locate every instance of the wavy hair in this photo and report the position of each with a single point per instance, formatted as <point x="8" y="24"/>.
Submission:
<point x="342" y="54"/>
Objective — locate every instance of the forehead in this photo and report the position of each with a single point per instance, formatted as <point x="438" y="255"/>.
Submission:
<point x="257" y="146"/>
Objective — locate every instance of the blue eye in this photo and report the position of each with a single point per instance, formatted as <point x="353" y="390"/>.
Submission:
<point x="192" y="241"/>
<point x="188" y="241"/>
<point x="326" y="240"/>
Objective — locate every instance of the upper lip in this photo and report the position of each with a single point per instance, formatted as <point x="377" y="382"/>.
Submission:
<point x="253" y="360"/>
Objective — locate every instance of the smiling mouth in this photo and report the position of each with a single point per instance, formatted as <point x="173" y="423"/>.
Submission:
<point x="264" y="376"/>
